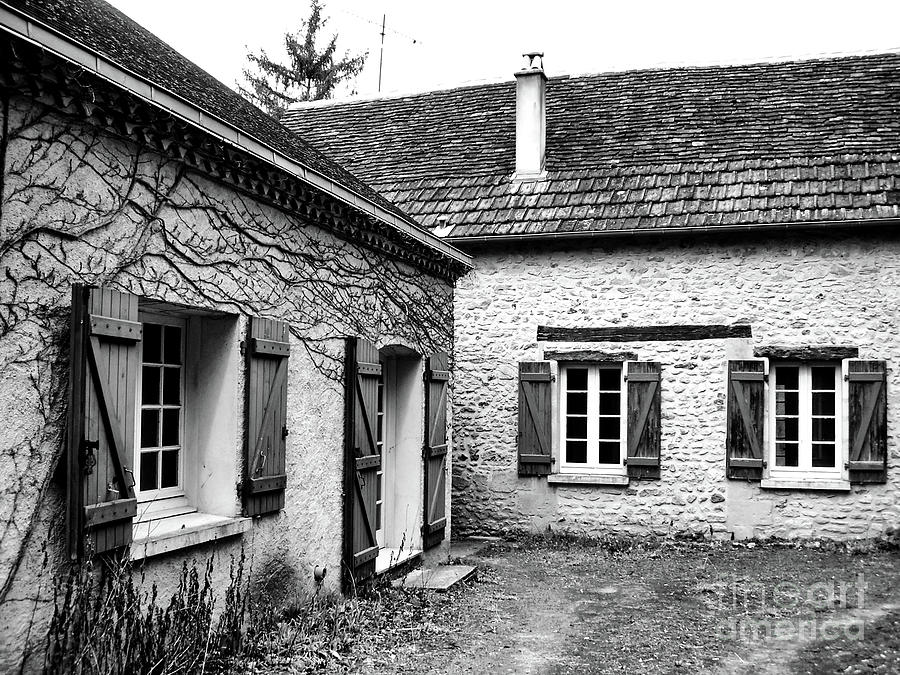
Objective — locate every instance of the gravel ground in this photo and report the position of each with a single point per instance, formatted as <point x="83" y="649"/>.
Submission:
<point x="557" y="606"/>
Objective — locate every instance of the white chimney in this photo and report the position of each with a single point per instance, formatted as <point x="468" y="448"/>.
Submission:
<point x="531" y="122"/>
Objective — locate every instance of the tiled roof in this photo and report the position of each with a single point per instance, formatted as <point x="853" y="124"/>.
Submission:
<point x="107" y="31"/>
<point x="772" y="143"/>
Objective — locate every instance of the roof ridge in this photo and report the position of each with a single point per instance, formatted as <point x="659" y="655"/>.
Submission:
<point x="651" y="68"/>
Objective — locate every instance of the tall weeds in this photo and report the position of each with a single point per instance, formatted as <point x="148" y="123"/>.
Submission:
<point x="104" y="623"/>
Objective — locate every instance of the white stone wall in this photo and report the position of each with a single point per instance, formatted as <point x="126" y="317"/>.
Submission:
<point x="816" y="289"/>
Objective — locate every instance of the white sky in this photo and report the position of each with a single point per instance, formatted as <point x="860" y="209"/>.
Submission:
<point x="460" y="41"/>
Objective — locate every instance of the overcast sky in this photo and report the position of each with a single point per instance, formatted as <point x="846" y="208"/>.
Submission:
<point x="431" y="45"/>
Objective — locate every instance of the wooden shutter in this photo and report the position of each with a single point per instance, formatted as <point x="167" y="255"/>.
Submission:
<point x="535" y="422"/>
<point x="642" y="380"/>
<point x="361" y="460"/>
<point x="105" y="366"/>
<point x="437" y="376"/>
<point x="267" y="351"/>
<point x="867" y="420"/>
<point x="746" y="419"/>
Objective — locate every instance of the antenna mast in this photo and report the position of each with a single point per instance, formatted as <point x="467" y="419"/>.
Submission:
<point x="381" y="55"/>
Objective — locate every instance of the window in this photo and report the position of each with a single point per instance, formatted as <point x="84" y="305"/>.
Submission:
<point x="184" y="421"/>
<point x="591" y="415"/>
<point x="804" y="416"/>
<point x="160" y="448"/>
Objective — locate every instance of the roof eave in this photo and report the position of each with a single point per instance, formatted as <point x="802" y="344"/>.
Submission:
<point x="639" y="233"/>
<point x="31" y="30"/>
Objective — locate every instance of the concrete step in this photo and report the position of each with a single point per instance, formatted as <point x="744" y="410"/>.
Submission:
<point x="440" y="579"/>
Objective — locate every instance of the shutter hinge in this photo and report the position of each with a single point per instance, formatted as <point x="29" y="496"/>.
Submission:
<point x="765" y="464"/>
<point x="284" y="432"/>
<point x="243" y="346"/>
<point x="88" y="459"/>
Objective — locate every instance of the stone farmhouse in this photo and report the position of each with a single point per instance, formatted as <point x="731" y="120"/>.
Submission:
<point x="683" y="317"/>
<point x="213" y="338"/>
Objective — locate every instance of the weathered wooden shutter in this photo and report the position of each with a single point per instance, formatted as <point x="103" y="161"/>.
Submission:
<point x="746" y="408"/>
<point x="102" y="388"/>
<point x="362" y="459"/>
<point x="267" y="351"/>
<point x="437" y="376"/>
<point x="535" y="423"/>
<point x="642" y="380"/>
<point x="867" y="420"/>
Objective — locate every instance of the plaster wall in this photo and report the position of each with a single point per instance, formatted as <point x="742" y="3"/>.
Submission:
<point x="793" y="289"/>
<point x="79" y="205"/>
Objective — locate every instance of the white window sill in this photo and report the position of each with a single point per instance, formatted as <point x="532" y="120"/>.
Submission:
<point x="162" y="535"/>
<point x="835" y="485"/>
<point x="587" y="479"/>
<point x="389" y="558"/>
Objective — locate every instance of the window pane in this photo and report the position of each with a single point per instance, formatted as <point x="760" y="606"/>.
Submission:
<point x="576" y="427"/>
<point x="152" y="343"/>
<point x="610" y="453"/>
<point x="150" y="385"/>
<point x="576" y="379"/>
<point x="576" y="452"/>
<point x="823" y="378"/>
<point x="171" y="386"/>
<point x="148" y="471"/>
<point x="610" y="379"/>
<point x="823" y="429"/>
<point x="576" y="404"/>
<point x="168" y="474"/>
<point x="786" y="454"/>
<point x="150" y="428"/>
<point x="609" y="428"/>
<point x="786" y="430"/>
<point x="823" y="455"/>
<point x="170" y="430"/>
<point x="787" y="403"/>
<point x="172" y="338"/>
<point x="787" y="377"/>
<point x="823" y="403"/>
<point x="609" y="404"/>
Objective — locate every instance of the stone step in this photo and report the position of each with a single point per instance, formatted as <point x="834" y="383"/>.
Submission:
<point x="440" y="579"/>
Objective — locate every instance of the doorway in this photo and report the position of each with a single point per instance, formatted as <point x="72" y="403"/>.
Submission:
<point x="398" y="507"/>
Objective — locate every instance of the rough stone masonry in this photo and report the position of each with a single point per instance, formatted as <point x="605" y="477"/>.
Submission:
<point x="794" y="290"/>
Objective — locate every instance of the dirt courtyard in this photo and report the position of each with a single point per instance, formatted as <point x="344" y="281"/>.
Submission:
<point x="556" y="606"/>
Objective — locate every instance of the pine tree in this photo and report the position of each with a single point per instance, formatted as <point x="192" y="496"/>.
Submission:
<point x="311" y="74"/>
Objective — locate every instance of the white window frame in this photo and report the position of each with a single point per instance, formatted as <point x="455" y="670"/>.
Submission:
<point x="170" y="497"/>
<point x="804" y="468"/>
<point x="593" y="465"/>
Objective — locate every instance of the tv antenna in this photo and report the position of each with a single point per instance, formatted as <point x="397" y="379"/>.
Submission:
<point x="381" y="54"/>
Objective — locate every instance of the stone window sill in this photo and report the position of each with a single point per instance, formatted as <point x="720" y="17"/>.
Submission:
<point x="805" y="484"/>
<point x="163" y="535"/>
<point x="587" y="479"/>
